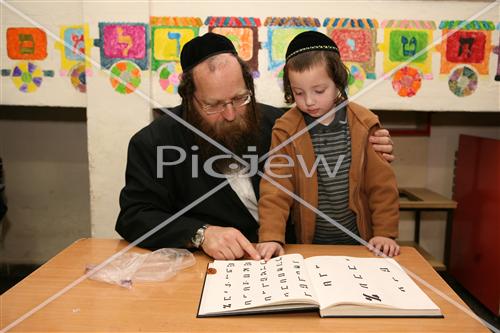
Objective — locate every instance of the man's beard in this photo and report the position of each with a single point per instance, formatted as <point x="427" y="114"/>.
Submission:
<point x="237" y="136"/>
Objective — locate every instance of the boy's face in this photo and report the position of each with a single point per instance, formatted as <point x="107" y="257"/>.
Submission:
<point x="314" y="91"/>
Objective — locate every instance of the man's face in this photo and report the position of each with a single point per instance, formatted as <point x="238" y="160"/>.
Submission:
<point x="218" y="81"/>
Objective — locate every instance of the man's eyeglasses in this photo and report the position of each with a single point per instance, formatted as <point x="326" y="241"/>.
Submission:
<point x="237" y="102"/>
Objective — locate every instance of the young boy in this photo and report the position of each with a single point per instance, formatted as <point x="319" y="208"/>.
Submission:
<point x="352" y="185"/>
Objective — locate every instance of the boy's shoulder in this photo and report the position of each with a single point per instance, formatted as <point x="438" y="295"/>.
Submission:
<point x="362" y="114"/>
<point x="291" y="121"/>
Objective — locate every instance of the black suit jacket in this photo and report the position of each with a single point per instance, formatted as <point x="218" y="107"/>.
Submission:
<point x="146" y="200"/>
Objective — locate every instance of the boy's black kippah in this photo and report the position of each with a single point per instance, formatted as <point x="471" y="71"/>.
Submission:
<point x="204" y="47"/>
<point x="310" y="41"/>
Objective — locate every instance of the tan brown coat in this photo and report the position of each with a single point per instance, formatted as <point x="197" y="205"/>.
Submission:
<point x="373" y="193"/>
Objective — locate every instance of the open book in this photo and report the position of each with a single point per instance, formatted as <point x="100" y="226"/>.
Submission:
<point x="338" y="286"/>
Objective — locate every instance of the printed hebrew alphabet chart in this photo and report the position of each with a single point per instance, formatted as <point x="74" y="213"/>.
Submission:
<point x="336" y="285"/>
<point x="361" y="281"/>
<point x="257" y="283"/>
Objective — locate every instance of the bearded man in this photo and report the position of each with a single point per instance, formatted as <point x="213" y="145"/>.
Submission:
<point x="171" y="164"/>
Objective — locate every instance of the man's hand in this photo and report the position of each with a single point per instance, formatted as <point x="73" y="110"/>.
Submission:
<point x="268" y="250"/>
<point x="382" y="143"/>
<point x="227" y="244"/>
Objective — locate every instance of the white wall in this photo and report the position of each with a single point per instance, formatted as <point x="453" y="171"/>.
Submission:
<point x="410" y="167"/>
<point x="112" y="119"/>
<point x="47" y="184"/>
<point x="50" y="17"/>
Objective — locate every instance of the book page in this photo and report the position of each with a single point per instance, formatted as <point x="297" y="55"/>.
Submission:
<point x="374" y="282"/>
<point x="242" y="284"/>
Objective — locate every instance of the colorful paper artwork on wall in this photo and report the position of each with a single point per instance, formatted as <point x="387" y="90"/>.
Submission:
<point x="124" y="50"/>
<point x="78" y="77"/>
<point x="169" y="34"/>
<point x="407" y="81"/>
<point x="280" y="32"/>
<point x="28" y="45"/>
<point x="406" y="50"/>
<point x="27" y="76"/>
<point x="125" y="77"/>
<point x="465" y="53"/>
<point x="356" y="39"/>
<point x="75" y="45"/>
<point x="243" y="32"/>
<point x="406" y="44"/>
<point x="463" y="81"/>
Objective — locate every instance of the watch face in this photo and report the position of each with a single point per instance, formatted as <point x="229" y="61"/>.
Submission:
<point x="198" y="237"/>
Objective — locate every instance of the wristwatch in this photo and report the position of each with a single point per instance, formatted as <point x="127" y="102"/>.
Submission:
<point x="199" y="236"/>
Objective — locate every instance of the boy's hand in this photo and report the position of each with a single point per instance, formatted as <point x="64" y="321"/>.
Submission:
<point x="267" y="250"/>
<point x="387" y="246"/>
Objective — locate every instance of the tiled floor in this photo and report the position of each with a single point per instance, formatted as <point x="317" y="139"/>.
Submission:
<point x="9" y="276"/>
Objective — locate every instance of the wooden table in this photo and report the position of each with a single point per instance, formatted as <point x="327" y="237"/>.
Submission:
<point x="172" y="305"/>
<point x="418" y="199"/>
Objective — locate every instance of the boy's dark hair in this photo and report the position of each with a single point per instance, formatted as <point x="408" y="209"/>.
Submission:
<point x="187" y="87"/>
<point x="336" y="70"/>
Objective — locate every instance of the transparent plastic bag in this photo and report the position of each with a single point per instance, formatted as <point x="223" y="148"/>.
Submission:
<point x="131" y="267"/>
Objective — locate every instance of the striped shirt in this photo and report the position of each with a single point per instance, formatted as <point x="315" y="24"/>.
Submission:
<point x="332" y="147"/>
